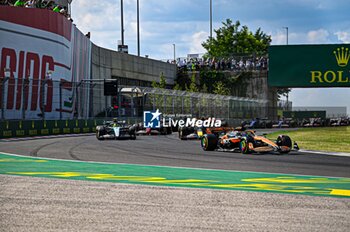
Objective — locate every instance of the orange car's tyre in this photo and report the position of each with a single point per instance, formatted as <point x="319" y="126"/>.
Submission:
<point x="209" y="142"/>
<point x="244" y="146"/>
<point x="284" y="141"/>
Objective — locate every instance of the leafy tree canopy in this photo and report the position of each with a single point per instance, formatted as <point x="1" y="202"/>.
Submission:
<point x="282" y="92"/>
<point x="221" y="89"/>
<point x="161" y="84"/>
<point x="234" y="39"/>
<point x="193" y="86"/>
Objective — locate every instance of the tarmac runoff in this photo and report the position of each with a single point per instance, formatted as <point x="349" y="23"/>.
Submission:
<point x="326" y="153"/>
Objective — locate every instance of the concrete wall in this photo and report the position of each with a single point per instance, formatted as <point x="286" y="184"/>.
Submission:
<point x="254" y="85"/>
<point x="107" y="63"/>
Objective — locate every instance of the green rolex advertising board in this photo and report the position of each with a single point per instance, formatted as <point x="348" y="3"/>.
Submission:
<point x="309" y="65"/>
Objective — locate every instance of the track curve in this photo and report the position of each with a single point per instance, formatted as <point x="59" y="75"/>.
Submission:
<point x="33" y="204"/>
<point x="170" y="151"/>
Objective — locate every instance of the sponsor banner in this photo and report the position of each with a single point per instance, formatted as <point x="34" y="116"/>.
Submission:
<point x="309" y="65"/>
<point x="46" y="56"/>
<point x="28" y="128"/>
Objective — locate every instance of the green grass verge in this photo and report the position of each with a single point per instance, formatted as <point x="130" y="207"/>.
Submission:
<point x="333" y="139"/>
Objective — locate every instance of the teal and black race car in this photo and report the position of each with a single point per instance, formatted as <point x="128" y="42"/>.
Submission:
<point x="115" y="130"/>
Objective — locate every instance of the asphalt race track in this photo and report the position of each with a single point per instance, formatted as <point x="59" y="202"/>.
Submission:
<point x="51" y="204"/>
<point x="171" y="151"/>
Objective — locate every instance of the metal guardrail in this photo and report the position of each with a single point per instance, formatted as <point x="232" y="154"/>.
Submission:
<point x="26" y="128"/>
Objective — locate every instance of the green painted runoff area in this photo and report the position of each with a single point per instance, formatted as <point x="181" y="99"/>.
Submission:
<point x="175" y="177"/>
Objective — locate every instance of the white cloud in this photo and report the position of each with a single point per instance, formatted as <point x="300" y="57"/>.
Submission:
<point x="343" y="36"/>
<point x="196" y="42"/>
<point x="318" y="36"/>
<point x="105" y="39"/>
<point x="94" y="17"/>
<point x="280" y="38"/>
<point x="81" y="4"/>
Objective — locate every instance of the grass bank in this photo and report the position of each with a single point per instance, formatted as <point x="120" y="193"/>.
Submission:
<point x="333" y="139"/>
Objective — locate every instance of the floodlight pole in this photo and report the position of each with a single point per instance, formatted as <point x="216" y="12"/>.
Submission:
<point x="122" y="20"/>
<point x="174" y="53"/>
<point x="211" y="19"/>
<point x="138" y="28"/>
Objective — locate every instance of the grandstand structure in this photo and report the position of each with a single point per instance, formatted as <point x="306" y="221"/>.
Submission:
<point x="52" y="71"/>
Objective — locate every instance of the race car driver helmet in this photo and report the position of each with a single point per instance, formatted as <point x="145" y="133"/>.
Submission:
<point x="115" y="121"/>
<point x="232" y="134"/>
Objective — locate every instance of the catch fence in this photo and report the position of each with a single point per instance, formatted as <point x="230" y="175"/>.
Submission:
<point x="27" y="99"/>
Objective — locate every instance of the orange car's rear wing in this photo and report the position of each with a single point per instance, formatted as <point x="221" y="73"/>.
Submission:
<point x="218" y="130"/>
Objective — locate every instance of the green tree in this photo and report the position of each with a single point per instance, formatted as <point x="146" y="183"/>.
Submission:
<point x="183" y="78"/>
<point x="177" y="86"/>
<point x="233" y="39"/>
<point x="209" y="78"/>
<point x="161" y="84"/>
<point x="221" y="89"/>
<point x="283" y="92"/>
<point x="204" y="88"/>
<point x="193" y="85"/>
<point x="158" y="99"/>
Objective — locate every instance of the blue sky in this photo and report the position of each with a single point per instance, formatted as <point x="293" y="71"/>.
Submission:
<point x="185" y="23"/>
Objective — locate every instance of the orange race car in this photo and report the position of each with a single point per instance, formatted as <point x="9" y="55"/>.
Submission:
<point x="186" y="133"/>
<point x="246" y="142"/>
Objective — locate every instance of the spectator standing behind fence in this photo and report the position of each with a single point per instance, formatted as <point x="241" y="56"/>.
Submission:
<point x="30" y="4"/>
<point x="19" y="3"/>
<point x="5" y="2"/>
<point x="64" y="12"/>
<point x="44" y="4"/>
<point x="238" y="63"/>
<point x="56" y="9"/>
